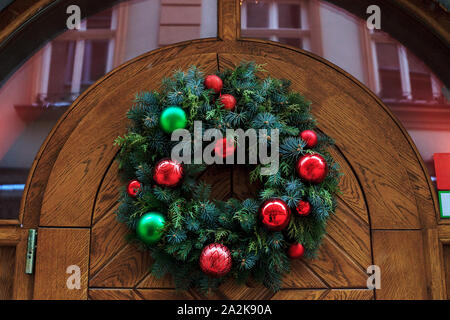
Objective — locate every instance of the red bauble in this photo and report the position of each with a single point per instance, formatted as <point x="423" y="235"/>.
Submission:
<point x="168" y="173"/>
<point x="228" y="101"/>
<point x="214" y="82"/>
<point x="303" y="208"/>
<point x="275" y="214"/>
<point x="215" y="260"/>
<point x="296" y="251"/>
<point x="133" y="188"/>
<point x="310" y="137"/>
<point x="225" y="147"/>
<point x="312" y="168"/>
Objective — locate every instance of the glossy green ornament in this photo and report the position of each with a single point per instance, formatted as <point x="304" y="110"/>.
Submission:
<point x="150" y="226"/>
<point x="173" y="118"/>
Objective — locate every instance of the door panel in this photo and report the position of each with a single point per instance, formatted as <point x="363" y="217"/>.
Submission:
<point x="341" y="261"/>
<point x="387" y="199"/>
<point x="14" y="282"/>
<point x="400" y="256"/>
<point x="384" y="189"/>
<point x="7" y="258"/>
<point x="57" y="250"/>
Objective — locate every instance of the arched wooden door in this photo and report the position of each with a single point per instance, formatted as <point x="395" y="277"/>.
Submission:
<point x="386" y="214"/>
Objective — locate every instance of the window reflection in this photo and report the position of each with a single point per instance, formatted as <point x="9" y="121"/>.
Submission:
<point x="257" y="15"/>
<point x="38" y="94"/>
<point x="41" y="90"/>
<point x="282" y="21"/>
<point x="289" y="16"/>
<point x="389" y="71"/>
<point x="401" y="80"/>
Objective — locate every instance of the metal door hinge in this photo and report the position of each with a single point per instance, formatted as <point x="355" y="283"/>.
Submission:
<point x="31" y="251"/>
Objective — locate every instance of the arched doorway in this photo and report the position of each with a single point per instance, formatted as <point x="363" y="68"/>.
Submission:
<point x="390" y="207"/>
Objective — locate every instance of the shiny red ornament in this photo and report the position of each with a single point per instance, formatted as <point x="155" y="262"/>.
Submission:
<point x="133" y="188"/>
<point x="168" y="173"/>
<point x="213" y="82"/>
<point x="225" y="147"/>
<point x="312" y="168"/>
<point x="295" y="251"/>
<point x="215" y="260"/>
<point x="275" y="214"/>
<point x="310" y="137"/>
<point x="228" y="101"/>
<point x="303" y="208"/>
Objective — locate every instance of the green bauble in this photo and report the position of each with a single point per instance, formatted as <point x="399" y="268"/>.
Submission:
<point x="173" y="118"/>
<point x="150" y="226"/>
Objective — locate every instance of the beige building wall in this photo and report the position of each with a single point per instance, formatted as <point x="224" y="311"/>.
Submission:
<point x="142" y="27"/>
<point x="341" y="40"/>
<point x="430" y="142"/>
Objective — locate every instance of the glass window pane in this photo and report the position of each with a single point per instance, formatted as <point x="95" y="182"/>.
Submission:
<point x="289" y="16"/>
<point x="61" y="71"/>
<point x="25" y="120"/>
<point x="415" y="65"/>
<point x="389" y="71"/>
<point x="420" y="79"/>
<point x="387" y="55"/>
<point x="94" y="61"/>
<point x="101" y="20"/>
<point x="257" y="15"/>
<point x="295" y="42"/>
<point x="391" y="85"/>
<point x="421" y="86"/>
<point x="9" y="204"/>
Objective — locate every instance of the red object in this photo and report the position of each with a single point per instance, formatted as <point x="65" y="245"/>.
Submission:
<point x="275" y="214"/>
<point x="310" y="137"/>
<point x="312" y="168"/>
<point x="228" y="101"/>
<point x="168" y="173"/>
<point x="303" y="208"/>
<point x="133" y="188"/>
<point x="215" y="260"/>
<point x="214" y="82"/>
<point x="442" y="167"/>
<point x="225" y="147"/>
<point x="296" y="251"/>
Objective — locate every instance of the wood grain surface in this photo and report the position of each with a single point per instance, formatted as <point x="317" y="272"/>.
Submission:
<point x="57" y="249"/>
<point x="336" y="294"/>
<point x="400" y="256"/>
<point x="14" y="283"/>
<point x="7" y="259"/>
<point x="70" y="174"/>
<point x="341" y="262"/>
<point x="447" y="268"/>
<point x="387" y="212"/>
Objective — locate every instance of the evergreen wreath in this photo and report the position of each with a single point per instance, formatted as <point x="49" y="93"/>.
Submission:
<point x="188" y="227"/>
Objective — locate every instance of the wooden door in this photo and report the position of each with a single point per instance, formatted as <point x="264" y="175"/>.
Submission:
<point x="386" y="215"/>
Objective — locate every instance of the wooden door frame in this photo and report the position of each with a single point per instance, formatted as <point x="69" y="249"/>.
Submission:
<point x="16" y="237"/>
<point x="229" y="37"/>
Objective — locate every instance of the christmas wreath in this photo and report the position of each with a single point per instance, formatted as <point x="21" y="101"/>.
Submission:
<point x="201" y="241"/>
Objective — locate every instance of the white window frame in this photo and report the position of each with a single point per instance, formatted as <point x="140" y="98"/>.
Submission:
<point x="80" y="36"/>
<point x="380" y="37"/>
<point x="273" y="32"/>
